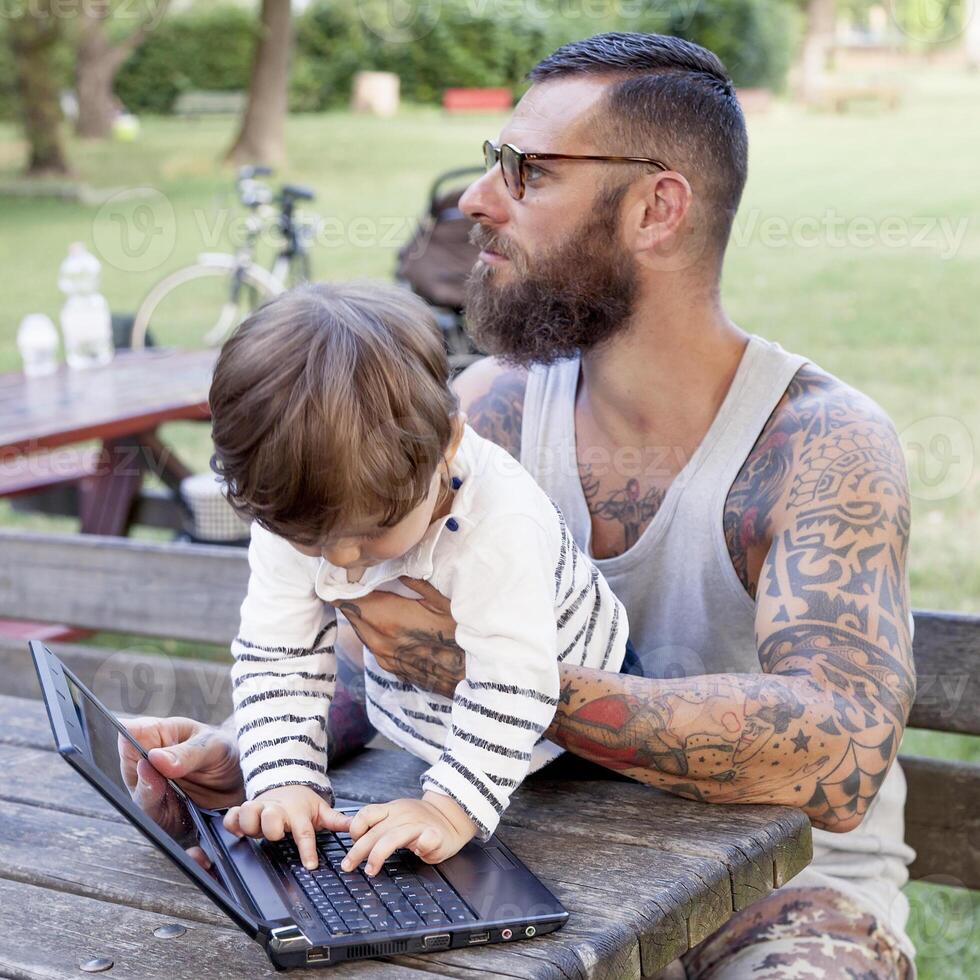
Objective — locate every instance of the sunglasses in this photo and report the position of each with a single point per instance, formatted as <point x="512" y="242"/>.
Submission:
<point x="513" y="163"/>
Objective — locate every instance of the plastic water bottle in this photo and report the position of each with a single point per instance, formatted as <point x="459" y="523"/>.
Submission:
<point x="37" y="338"/>
<point x="85" y="320"/>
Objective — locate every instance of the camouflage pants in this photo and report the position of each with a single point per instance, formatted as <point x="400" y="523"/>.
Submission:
<point x="797" y="934"/>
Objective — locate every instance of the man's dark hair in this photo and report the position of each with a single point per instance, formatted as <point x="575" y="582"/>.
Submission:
<point x="671" y="100"/>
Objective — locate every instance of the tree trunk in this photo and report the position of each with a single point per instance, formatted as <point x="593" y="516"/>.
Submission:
<point x="34" y="32"/>
<point x="98" y="62"/>
<point x="262" y="137"/>
<point x="818" y="41"/>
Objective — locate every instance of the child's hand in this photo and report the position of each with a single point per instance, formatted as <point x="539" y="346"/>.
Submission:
<point x="298" y="809"/>
<point x="435" y="828"/>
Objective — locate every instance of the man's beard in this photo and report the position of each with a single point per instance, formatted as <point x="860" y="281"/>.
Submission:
<point x="561" y="304"/>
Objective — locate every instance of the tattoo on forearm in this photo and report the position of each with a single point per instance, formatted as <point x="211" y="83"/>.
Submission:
<point x="430" y="661"/>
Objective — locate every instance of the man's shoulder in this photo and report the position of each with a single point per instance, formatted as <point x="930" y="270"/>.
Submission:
<point x="825" y="448"/>
<point x="491" y="393"/>
<point x="820" y="411"/>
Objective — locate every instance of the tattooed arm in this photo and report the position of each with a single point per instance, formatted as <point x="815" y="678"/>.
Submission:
<point x="818" y="729"/>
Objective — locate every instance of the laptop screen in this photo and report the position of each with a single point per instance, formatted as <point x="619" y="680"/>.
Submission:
<point x="165" y="805"/>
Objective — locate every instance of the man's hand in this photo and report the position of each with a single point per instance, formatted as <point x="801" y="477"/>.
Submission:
<point x="201" y="759"/>
<point x="298" y="809"/>
<point x="435" y="828"/>
<point x="411" y="638"/>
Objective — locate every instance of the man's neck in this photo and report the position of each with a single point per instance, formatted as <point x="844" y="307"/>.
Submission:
<point x="668" y="373"/>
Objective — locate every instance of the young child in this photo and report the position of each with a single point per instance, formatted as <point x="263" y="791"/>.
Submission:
<point x="337" y="434"/>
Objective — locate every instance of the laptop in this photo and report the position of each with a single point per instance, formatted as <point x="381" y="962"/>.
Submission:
<point x="484" y="894"/>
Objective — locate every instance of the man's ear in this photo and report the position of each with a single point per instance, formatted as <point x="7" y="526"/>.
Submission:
<point x="659" y="219"/>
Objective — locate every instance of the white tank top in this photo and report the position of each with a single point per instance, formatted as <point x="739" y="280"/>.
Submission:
<point x="688" y="612"/>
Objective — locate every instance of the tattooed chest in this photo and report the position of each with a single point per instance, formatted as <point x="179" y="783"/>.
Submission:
<point x="619" y="509"/>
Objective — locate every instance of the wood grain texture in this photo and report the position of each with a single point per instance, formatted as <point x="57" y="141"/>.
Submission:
<point x="136" y="392"/>
<point x="172" y="590"/>
<point x="942" y="819"/>
<point x="759" y="845"/>
<point x="130" y="683"/>
<point x="946" y="647"/>
<point x="639" y="895"/>
<point x="72" y="929"/>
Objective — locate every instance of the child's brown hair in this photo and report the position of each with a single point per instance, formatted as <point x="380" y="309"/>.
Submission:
<point x="331" y="405"/>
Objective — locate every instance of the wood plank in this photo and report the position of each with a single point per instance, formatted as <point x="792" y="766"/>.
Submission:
<point x="99" y="858"/>
<point x="24" y="722"/>
<point x="947" y="662"/>
<point x="127" y="682"/>
<point x="78" y="842"/>
<point x="137" y="391"/>
<point x="112" y="861"/>
<point x="942" y="818"/>
<point x="24" y="474"/>
<point x="105" y="858"/>
<point x="761" y="846"/>
<point x="172" y="590"/>
<point x="661" y="901"/>
<point x="73" y="929"/>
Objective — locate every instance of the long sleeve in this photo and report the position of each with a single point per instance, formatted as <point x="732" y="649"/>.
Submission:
<point x="284" y="674"/>
<point x="504" y="604"/>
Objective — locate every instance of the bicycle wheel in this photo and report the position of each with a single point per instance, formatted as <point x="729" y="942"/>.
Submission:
<point x="200" y="305"/>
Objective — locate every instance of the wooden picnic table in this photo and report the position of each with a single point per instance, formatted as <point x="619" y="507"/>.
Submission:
<point x="43" y="420"/>
<point x="120" y="404"/>
<point x="644" y="875"/>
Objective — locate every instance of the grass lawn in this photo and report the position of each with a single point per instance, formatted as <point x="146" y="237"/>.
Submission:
<point x="857" y="244"/>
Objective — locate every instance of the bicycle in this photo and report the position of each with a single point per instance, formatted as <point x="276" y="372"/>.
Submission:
<point x="190" y="303"/>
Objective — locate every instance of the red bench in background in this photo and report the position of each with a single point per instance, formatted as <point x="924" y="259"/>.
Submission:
<point x="477" y="99"/>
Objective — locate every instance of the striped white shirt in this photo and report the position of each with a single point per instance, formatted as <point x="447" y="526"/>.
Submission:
<point x="524" y="598"/>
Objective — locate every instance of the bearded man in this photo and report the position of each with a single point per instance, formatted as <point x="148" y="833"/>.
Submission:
<point x="750" y="509"/>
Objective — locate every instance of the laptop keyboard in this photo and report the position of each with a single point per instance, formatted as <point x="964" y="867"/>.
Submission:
<point x="350" y="902"/>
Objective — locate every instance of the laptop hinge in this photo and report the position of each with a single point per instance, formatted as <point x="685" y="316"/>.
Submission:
<point x="289" y="939"/>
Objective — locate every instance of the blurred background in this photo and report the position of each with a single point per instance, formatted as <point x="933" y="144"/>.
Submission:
<point x="124" y="125"/>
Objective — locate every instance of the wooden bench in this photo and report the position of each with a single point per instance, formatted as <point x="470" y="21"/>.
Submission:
<point x="840" y="98"/>
<point x="196" y="102"/>
<point x="193" y="593"/>
<point x="477" y="99"/>
<point x="683" y="867"/>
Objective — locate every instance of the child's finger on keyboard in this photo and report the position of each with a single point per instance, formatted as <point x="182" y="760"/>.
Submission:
<point x="366" y="818"/>
<point x="305" y="837"/>
<point x="328" y="818"/>
<point x="362" y="847"/>
<point x="387" y="844"/>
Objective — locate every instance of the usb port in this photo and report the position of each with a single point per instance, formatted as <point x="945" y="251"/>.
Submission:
<point x="439" y="941"/>
<point x="318" y="954"/>
<point x="479" y="937"/>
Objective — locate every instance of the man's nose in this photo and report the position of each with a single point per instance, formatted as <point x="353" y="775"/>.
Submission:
<point x="485" y="200"/>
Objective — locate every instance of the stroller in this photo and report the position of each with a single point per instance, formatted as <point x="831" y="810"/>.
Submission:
<point x="437" y="259"/>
